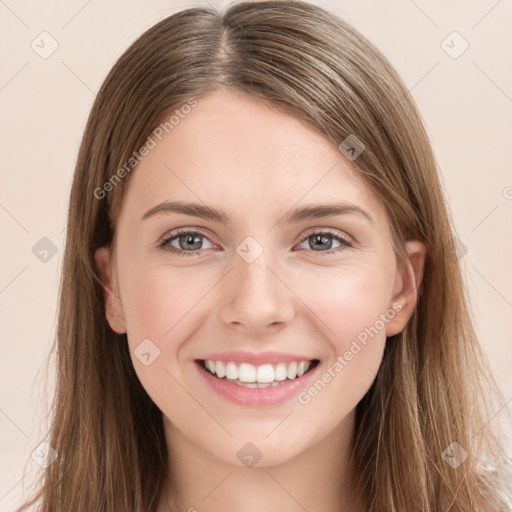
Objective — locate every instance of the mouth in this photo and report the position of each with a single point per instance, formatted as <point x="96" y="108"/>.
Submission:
<point x="248" y="375"/>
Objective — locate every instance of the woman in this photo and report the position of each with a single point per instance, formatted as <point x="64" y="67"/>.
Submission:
<point x="211" y="355"/>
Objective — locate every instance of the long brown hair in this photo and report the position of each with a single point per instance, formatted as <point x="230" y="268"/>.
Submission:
<point x="434" y="387"/>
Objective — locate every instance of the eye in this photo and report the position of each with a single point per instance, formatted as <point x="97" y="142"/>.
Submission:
<point x="323" y="240"/>
<point x="189" y="243"/>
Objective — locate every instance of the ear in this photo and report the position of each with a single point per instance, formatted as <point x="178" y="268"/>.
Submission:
<point x="407" y="288"/>
<point x="113" y="306"/>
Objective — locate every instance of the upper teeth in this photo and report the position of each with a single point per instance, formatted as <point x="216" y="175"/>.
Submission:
<point x="246" y="372"/>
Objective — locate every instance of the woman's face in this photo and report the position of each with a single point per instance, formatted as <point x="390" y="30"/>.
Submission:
<point x="267" y="286"/>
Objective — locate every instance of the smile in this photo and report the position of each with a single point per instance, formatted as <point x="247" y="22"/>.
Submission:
<point x="256" y="385"/>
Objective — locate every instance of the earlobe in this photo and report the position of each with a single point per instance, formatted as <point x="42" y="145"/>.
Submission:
<point x="113" y="306"/>
<point x="409" y="288"/>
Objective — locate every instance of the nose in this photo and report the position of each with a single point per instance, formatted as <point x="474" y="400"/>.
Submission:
<point x="257" y="297"/>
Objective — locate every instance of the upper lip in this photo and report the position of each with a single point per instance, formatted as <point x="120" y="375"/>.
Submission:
<point x="256" y="358"/>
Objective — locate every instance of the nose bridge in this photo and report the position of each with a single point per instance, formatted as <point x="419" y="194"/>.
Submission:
<point x="252" y="268"/>
<point x="258" y="297"/>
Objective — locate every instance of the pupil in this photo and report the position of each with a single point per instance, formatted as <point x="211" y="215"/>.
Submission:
<point x="323" y="239"/>
<point x="190" y="240"/>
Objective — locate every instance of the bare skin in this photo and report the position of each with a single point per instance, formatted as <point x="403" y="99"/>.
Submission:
<point x="256" y="164"/>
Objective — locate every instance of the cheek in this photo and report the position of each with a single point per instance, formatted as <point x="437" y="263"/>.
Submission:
<point x="349" y="308"/>
<point x="346" y="301"/>
<point x="351" y="305"/>
<point x="164" y="306"/>
<point x="159" y="300"/>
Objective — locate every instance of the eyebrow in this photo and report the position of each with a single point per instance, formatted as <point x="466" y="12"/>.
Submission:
<point x="306" y="212"/>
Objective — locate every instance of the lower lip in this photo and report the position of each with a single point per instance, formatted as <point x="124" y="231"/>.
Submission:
<point x="253" y="397"/>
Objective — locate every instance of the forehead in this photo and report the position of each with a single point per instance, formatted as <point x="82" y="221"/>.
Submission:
<point x="239" y="153"/>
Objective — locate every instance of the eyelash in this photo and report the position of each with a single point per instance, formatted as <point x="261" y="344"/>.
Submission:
<point x="163" y="244"/>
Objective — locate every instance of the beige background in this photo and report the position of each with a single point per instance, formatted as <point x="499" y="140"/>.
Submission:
<point x="466" y="103"/>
